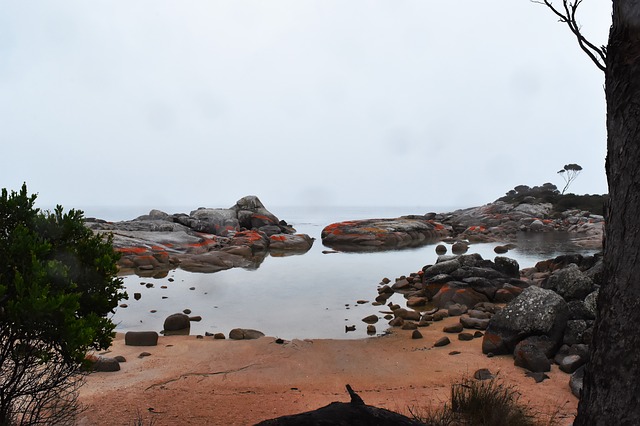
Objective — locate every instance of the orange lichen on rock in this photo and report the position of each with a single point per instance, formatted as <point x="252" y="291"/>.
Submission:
<point x="262" y="217"/>
<point x="476" y="228"/>
<point x="250" y="236"/>
<point x="132" y="250"/>
<point x="437" y="225"/>
<point x="203" y="243"/>
<point x="336" y="228"/>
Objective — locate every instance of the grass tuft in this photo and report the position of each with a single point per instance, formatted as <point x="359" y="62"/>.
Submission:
<point x="482" y="403"/>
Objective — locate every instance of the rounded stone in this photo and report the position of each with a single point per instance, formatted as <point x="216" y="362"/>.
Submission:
<point x="176" y="322"/>
<point x="141" y="338"/>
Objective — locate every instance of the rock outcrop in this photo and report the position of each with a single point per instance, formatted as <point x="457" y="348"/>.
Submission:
<point x="205" y="240"/>
<point x="500" y="221"/>
<point x="540" y="315"/>
<point x="535" y="312"/>
<point x="383" y="234"/>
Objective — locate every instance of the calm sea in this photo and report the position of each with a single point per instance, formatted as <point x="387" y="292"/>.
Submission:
<point x="304" y="296"/>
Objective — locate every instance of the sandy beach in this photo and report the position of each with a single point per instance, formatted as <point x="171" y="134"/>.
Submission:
<point x="201" y="381"/>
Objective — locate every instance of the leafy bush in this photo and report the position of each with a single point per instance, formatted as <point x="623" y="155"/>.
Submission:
<point x="57" y="285"/>
<point x="548" y="193"/>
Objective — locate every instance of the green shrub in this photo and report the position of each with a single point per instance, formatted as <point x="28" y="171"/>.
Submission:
<point x="57" y="285"/>
<point x="548" y="193"/>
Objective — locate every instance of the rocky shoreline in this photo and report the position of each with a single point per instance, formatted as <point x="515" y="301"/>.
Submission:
<point x="499" y="221"/>
<point x="214" y="239"/>
<point x="206" y="240"/>
<point x="540" y="315"/>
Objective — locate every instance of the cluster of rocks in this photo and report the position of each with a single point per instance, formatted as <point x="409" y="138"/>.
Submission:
<point x="540" y="315"/>
<point x="206" y="240"/>
<point x="464" y="280"/>
<point x="497" y="221"/>
<point x="174" y="324"/>
<point x="502" y="221"/>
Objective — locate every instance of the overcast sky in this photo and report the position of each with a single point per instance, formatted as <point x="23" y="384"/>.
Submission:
<point x="198" y="103"/>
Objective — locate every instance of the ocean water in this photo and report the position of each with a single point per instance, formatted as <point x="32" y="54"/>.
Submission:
<point x="313" y="295"/>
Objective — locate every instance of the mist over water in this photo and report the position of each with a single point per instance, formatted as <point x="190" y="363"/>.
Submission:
<point x="313" y="295"/>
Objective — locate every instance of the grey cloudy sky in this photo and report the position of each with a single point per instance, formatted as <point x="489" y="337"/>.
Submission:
<point x="395" y="102"/>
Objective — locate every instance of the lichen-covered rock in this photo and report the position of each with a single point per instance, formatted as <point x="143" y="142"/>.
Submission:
<point x="291" y="242"/>
<point x="535" y="312"/>
<point x="159" y="241"/>
<point x="507" y="266"/>
<point x="382" y="234"/>
<point x="570" y="283"/>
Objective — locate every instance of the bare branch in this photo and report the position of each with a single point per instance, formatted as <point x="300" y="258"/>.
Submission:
<point x="597" y="54"/>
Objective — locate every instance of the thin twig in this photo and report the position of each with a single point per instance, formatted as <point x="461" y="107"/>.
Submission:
<point x="597" y="54"/>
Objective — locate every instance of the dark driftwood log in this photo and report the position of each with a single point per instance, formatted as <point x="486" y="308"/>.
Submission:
<point x="354" y="413"/>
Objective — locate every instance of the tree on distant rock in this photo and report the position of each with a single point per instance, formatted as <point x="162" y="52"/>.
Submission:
<point x="569" y="173"/>
<point x="58" y="283"/>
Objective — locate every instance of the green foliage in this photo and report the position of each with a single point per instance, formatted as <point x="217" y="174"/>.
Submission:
<point x="57" y="285"/>
<point x="548" y="193"/>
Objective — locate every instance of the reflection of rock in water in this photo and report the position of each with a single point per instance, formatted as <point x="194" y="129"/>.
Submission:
<point x="547" y="244"/>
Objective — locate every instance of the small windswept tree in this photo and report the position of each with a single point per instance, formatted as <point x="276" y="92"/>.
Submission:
<point x="57" y="285"/>
<point x="569" y="173"/>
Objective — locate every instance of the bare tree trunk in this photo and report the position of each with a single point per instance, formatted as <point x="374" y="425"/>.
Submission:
<point x="612" y="380"/>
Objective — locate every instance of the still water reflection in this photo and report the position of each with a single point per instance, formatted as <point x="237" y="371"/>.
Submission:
<point x="307" y="296"/>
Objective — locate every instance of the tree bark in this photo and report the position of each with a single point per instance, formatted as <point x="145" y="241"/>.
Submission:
<point x="612" y="378"/>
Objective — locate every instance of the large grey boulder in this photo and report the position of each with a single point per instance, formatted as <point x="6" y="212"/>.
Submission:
<point x="535" y="312"/>
<point x="214" y="221"/>
<point x="444" y="267"/>
<point x="570" y="283"/>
